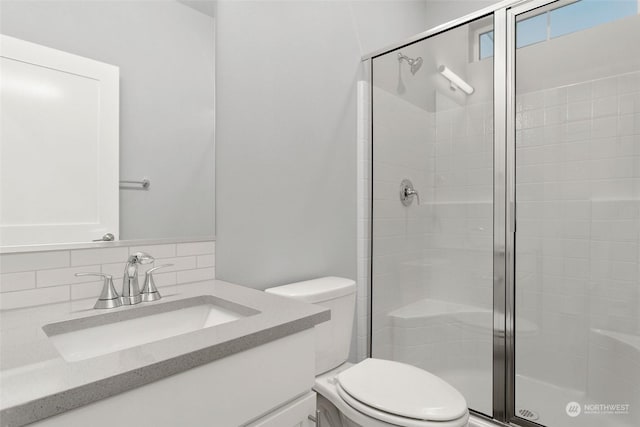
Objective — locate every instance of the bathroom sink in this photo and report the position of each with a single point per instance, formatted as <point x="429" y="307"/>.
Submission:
<point x="93" y="336"/>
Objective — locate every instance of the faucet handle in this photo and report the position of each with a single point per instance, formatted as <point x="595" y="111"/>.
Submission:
<point x="149" y="291"/>
<point x="109" y="297"/>
<point x="141" y="258"/>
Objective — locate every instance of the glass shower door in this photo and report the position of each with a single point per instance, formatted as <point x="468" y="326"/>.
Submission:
<point x="432" y="240"/>
<point x="577" y="271"/>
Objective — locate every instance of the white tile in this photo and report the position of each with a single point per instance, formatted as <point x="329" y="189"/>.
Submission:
<point x="170" y="290"/>
<point x="11" y="263"/>
<point x="533" y="118"/>
<point x="579" y="92"/>
<point x="605" y="127"/>
<point x="625" y="271"/>
<point x="179" y="263"/>
<point x="17" y="281"/>
<point x="99" y="256"/>
<point x="605" y="87"/>
<point x="32" y="297"/>
<point x="579" y="110"/>
<point x="87" y="290"/>
<point x="196" y="248"/>
<point x="205" y="261"/>
<point x="196" y="275"/>
<point x="66" y="276"/>
<point x="555" y="114"/>
<point x="605" y="106"/>
<point x="165" y="279"/>
<point x="629" y="124"/>
<point x="115" y="269"/>
<point x="579" y="130"/>
<point x="156" y="251"/>
<point x="629" y="83"/>
<point x="532" y="100"/>
<point x="555" y="96"/>
<point x="630" y="103"/>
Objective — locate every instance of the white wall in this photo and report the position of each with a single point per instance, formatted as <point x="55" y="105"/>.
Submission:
<point x="165" y="52"/>
<point x="441" y="11"/>
<point x="286" y="138"/>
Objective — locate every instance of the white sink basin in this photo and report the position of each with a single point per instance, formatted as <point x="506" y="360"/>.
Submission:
<point x="94" y="336"/>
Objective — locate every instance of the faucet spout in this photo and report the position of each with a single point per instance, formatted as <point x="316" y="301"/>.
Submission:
<point x="130" y="288"/>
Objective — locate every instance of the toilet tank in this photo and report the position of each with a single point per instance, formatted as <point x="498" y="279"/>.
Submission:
<point x="333" y="338"/>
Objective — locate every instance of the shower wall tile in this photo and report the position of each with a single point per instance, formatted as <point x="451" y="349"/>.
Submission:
<point x="35" y="278"/>
<point x="578" y="164"/>
<point x="440" y="251"/>
<point x="578" y="224"/>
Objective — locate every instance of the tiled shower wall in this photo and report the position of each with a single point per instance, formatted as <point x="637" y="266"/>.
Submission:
<point x="578" y="175"/>
<point x="578" y="192"/>
<point x="432" y="261"/>
<point x="35" y="278"/>
<point x="441" y="249"/>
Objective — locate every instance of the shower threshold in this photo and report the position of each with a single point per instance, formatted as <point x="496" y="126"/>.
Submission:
<point x="546" y="400"/>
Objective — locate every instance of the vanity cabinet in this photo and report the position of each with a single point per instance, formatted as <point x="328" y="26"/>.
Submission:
<point x="267" y="386"/>
<point x="294" y="414"/>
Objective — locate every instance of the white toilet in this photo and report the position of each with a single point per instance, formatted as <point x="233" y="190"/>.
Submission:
<point x="374" y="392"/>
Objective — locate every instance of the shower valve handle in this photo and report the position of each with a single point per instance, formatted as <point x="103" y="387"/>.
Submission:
<point x="410" y="193"/>
<point x="407" y="193"/>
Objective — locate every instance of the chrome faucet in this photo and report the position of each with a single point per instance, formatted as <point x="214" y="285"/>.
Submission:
<point x="130" y="289"/>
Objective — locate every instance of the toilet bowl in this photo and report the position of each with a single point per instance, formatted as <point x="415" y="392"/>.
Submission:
<point x="373" y="392"/>
<point x="401" y="404"/>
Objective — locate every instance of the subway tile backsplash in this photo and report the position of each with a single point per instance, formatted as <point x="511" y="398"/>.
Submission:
<point x="31" y="261"/>
<point x="35" y="278"/>
<point x="98" y="256"/>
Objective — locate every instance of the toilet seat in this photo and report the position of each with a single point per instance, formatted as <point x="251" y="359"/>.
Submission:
<point x="398" y="393"/>
<point x="380" y="415"/>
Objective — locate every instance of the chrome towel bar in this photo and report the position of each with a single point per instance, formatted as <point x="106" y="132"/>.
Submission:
<point x="133" y="185"/>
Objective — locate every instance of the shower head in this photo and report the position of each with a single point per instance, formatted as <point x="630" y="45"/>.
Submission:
<point x="414" y="63"/>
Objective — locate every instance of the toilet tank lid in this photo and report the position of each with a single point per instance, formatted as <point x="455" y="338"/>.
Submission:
<point x="316" y="290"/>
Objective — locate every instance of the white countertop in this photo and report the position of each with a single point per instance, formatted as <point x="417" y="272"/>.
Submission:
<point x="36" y="382"/>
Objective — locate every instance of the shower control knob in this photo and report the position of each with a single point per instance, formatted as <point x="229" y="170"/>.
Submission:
<point x="407" y="193"/>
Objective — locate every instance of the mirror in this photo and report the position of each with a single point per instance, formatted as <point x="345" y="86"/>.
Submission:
<point x="163" y="56"/>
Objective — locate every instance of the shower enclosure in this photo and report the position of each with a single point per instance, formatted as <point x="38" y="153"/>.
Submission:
<point x="505" y="209"/>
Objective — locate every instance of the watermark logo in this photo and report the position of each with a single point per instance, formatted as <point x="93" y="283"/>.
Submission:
<point x="573" y="409"/>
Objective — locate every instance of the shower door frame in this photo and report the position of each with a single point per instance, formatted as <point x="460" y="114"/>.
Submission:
<point x="504" y="201"/>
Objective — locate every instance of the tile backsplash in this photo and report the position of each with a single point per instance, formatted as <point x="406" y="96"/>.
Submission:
<point x="35" y="278"/>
